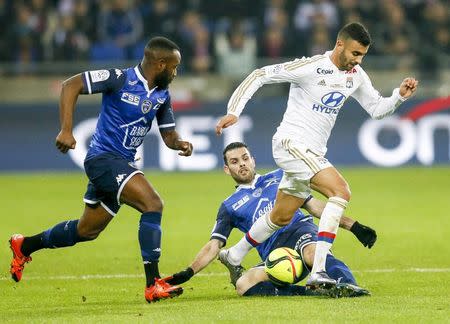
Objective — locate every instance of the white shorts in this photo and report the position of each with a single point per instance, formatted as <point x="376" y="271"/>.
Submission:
<point x="299" y="165"/>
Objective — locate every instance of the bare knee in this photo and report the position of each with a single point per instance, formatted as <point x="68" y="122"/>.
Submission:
<point x="342" y="192"/>
<point x="308" y="254"/>
<point x="281" y="219"/>
<point x="282" y="216"/>
<point x="250" y="279"/>
<point x="88" y="234"/>
<point x="155" y="203"/>
<point x="285" y="207"/>
<point x="242" y="286"/>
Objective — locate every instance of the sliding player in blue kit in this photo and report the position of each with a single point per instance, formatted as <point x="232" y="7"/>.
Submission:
<point x="255" y="197"/>
<point x="132" y="98"/>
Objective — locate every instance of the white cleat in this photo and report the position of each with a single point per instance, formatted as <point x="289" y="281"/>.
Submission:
<point x="320" y="280"/>
<point x="236" y="271"/>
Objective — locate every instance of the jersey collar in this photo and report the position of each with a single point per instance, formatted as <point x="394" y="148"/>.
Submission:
<point x="250" y="185"/>
<point x="139" y="73"/>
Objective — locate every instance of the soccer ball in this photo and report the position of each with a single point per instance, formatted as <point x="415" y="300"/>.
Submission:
<point x="284" y="266"/>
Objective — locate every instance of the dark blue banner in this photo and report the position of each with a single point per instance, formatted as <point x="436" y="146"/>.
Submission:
<point x="417" y="134"/>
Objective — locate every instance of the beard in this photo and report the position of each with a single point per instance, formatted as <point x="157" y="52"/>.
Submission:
<point x="163" y="79"/>
<point x="243" y="179"/>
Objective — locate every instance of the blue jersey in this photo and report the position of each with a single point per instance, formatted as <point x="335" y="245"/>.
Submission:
<point x="247" y="204"/>
<point x="128" y="109"/>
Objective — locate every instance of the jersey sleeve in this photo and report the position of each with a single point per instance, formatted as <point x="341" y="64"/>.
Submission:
<point x="223" y="226"/>
<point x="292" y="71"/>
<point x="165" y="117"/>
<point x="97" y="81"/>
<point x="370" y="99"/>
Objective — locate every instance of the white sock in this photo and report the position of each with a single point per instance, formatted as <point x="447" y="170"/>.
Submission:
<point x="260" y="231"/>
<point x="328" y="227"/>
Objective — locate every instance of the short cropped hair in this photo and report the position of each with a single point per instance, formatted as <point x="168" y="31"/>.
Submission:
<point x="161" y="43"/>
<point x="232" y="146"/>
<point x="357" y="32"/>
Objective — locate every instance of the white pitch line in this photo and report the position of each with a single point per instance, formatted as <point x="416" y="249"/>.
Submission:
<point x="218" y="274"/>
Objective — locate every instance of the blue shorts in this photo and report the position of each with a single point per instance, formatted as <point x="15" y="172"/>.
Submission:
<point x="108" y="173"/>
<point x="297" y="237"/>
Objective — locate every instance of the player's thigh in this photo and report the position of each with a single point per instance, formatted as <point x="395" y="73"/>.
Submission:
<point x="293" y="156"/>
<point x="250" y="278"/>
<point x="94" y="220"/>
<point x="285" y="207"/>
<point x="331" y="183"/>
<point x="140" y="194"/>
<point x="299" y="164"/>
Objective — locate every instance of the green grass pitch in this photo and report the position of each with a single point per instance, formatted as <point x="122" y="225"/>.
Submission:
<point x="407" y="271"/>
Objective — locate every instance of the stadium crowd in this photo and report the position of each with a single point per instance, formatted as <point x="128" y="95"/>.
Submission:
<point x="223" y="36"/>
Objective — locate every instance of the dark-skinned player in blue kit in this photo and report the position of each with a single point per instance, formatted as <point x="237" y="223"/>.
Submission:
<point x="132" y="98"/>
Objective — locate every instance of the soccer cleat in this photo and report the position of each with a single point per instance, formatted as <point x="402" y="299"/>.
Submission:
<point x="236" y="271"/>
<point x="320" y="280"/>
<point x="349" y="290"/>
<point x="161" y="290"/>
<point x="18" y="261"/>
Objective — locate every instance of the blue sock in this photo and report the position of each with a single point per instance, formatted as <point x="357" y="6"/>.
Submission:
<point x="61" y="235"/>
<point x="338" y="270"/>
<point x="150" y="242"/>
<point x="266" y="288"/>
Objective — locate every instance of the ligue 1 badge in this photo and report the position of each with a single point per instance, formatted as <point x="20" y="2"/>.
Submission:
<point x="349" y="83"/>
<point x="146" y="106"/>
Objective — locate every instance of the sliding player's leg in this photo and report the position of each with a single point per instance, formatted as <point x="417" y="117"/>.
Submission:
<point x="281" y="214"/>
<point x="255" y="282"/>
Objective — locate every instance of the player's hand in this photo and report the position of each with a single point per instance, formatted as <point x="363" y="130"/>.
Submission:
<point x="366" y="235"/>
<point x="180" y="277"/>
<point x="224" y="122"/>
<point x="408" y="87"/>
<point x="185" y="148"/>
<point x="65" y="141"/>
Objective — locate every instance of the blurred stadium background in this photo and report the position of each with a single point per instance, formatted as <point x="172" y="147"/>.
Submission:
<point x="44" y="41"/>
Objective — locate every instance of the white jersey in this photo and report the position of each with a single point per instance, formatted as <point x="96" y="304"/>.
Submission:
<point x="318" y="92"/>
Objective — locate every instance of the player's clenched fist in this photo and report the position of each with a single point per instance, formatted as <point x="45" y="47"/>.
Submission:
<point x="65" y="141"/>
<point x="408" y="87"/>
<point x="185" y="148"/>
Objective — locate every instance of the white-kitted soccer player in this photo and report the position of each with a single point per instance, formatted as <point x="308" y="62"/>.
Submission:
<point x="320" y="85"/>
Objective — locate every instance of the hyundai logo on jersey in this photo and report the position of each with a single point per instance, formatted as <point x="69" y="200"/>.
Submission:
<point x="333" y="99"/>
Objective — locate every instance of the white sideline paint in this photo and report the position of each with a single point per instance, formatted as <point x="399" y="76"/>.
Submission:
<point x="219" y="274"/>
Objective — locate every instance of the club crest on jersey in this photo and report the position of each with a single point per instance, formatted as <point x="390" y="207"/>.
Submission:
<point x="146" y="106"/>
<point x="257" y="193"/>
<point x="349" y="83"/>
<point x="333" y="99"/>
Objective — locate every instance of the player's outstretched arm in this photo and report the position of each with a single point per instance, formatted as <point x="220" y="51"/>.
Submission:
<point x="71" y="89"/>
<point x="205" y="256"/>
<point x="366" y="235"/>
<point x="172" y="140"/>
